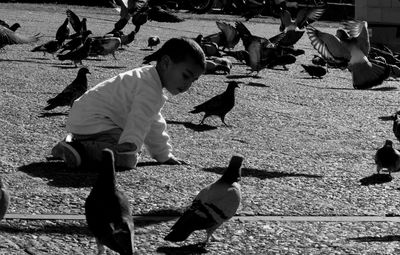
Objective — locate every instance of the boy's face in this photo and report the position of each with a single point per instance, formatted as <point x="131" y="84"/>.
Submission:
<point x="178" y="77"/>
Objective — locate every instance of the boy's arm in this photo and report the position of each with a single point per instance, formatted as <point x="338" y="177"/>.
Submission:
<point x="157" y="140"/>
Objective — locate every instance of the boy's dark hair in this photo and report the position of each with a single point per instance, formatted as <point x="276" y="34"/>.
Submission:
<point x="179" y="49"/>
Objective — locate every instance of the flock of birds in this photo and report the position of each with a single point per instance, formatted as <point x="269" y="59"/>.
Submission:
<point x="106" y="208"/>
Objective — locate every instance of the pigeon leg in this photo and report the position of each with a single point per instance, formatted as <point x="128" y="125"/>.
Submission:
<point x="202" y="121"/>
<point x="210" y="232"/>
<point x="378" y="169"/>
<point x="223" y="121"/>
<point x="114" y="56"/>
<point x="100" y="247"/>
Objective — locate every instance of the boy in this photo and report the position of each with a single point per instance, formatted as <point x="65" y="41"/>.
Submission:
<point x="124" y="112"/>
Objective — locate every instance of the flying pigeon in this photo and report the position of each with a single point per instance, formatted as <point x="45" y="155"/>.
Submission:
<point x="218" y="105"/>
<point x="140" y="11"/>
<point x="9" y="37"/>
<point x="72" y="92"/>
<point x="314" y="70"/>
<point x="104" y="46"/>
<point x="4" y="200"/>
<point x="107" y="211"/>
<point x="351" y="48"/>
<point x="153" y="41"/>
<point x="80" y="53"/>
<point x="212" y="206"/>
<point x="50" y="47"/>
<point x="228" y="37"/>
<point x="304" y="17"/>
<point x="78" y="25"/>
<point x="387" y="157"/>
<point x="63" y="31"/>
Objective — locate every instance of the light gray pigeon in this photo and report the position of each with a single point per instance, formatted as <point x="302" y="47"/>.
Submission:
<point x="214" y="205"/>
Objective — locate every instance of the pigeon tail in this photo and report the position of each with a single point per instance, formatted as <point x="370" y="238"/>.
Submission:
<point x="178" y="235"/>
<point x="233" y="172"/>
<point x="106" y="179"/>
<point x="367" y="74"/>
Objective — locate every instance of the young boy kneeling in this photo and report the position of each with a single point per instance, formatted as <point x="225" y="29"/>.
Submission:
<point x="124" y="112"/>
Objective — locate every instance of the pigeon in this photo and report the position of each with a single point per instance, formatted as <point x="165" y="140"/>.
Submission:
<point x="50" y="47"/>
<point x="9" y="37"/>
<point x="351" y="49"/>
<point x="314" y="70"/>
<point x="153" y="41"/>
<point x="228" y="37"/>
<point x="218" y="105"/>
<point x="78" y="25"/>
<point x="75" y="42"/>
<point x="104" y="46"/>
<point x="213" y="205"/>
<point x="318" y="60"/>
<point x="387" y="157"/>
<point x="212" y="67"/>
<point x="140" y="11"/>
<point x="4" y="200"/>
<point x="396" y="125"/>
<point x="222" y="61"/>
<point x="63" y="31"/>
<point x="127" y="39"/>
<point x="72" y="92"/>
<point x="304" y="17"/>
<point x="107" y="211"/>
<point x="80" y="53"/>
<point x="386" y="55"/>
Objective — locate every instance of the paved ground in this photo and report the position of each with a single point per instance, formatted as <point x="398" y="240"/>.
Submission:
<point x="309" y="147"/>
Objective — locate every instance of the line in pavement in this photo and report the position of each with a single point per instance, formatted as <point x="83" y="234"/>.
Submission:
<point x="23" y="216"/>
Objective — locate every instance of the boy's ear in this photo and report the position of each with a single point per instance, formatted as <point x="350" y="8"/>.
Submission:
<point x="165" y="62"/>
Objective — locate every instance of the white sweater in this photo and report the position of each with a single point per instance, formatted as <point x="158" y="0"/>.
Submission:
<point x="131" y="101"/>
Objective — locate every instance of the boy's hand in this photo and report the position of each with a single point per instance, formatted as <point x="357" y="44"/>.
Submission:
<point x="174" y="161"/>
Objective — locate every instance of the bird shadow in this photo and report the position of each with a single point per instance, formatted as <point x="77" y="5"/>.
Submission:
<point x="164" y="215"/>
<point x="257" y="84"/>
<point x="51" y="114"/>
<point x="384" y="89"/>
<point x="65" y="67"/>
<point x="112" y="67"/>
<point x="261" y="174"/>
<point x="386" y="118"/>
<point x="65" y="228"/>
<point x="375" y="179"/>
<point x="146" y="49"/>
<point x="24" y="61"/>
<point x="388" y="238"/>
<point x="58" y="175"/>
<point x="242" y="76"/>
<point x="148" y="163"/>
<point x="185" y="249"/>
<point x="39" y="58"/>
<point x="192" y="126"/>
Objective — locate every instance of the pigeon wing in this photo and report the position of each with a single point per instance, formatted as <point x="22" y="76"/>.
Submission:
<point x="230" y="32"/>
<point x="329" y="46"/>
<point x="210" y="105"/>
<point x="9" y="37"/>
<point x="74" y="21"/>
<point x="286" y="19"/>
<point x="306" y="16"/>
<point x="359" y="30"/>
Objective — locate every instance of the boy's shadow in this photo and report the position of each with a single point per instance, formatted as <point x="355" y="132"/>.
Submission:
<point x="51" y="114"/>
<point x="58" y="174"/>
<point x="185" y="249"/>
<point x="376" y="179"/>
<point x="192" y="126"/>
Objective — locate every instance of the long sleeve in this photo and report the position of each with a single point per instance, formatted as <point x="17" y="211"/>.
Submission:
<point x="157" y="140"/>
<point x="142" y="112"/>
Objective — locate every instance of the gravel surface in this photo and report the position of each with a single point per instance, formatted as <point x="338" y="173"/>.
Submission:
<point x="308" y="143"/>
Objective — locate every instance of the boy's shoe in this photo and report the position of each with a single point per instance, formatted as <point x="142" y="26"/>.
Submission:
<point x="65" y="151"/>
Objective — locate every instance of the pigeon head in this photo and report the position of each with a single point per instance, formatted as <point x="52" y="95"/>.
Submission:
<point x="83" y="71"/>
<point x="389" y="143"/>
<point x="234" y="170"/>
